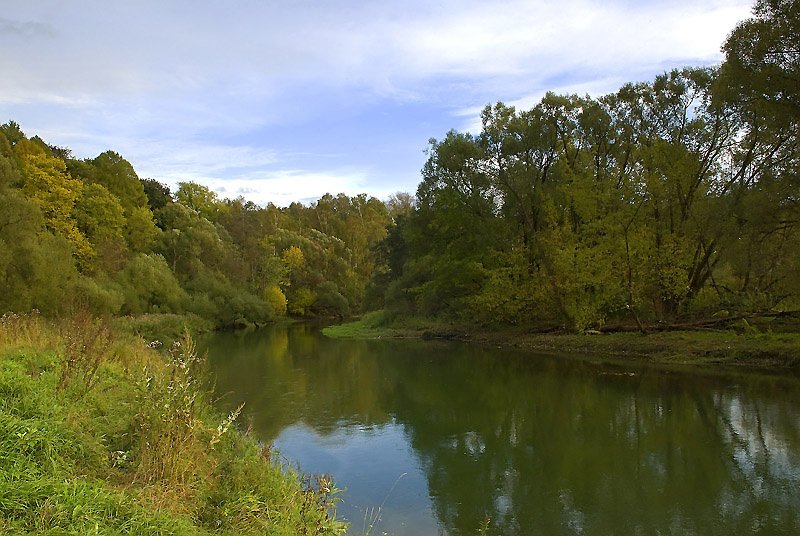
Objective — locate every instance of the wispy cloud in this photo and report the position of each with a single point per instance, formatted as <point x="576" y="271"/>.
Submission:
<point x="26" y="29"/>
<point x="281" y="187"/>
<point x="216" y="91"/>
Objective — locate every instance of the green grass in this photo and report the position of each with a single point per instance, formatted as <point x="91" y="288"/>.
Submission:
<point x="119" y="439"/>
<point x="379" y="324"/>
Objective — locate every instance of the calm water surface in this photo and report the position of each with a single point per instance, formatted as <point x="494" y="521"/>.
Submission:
<point x="440" y="438"/>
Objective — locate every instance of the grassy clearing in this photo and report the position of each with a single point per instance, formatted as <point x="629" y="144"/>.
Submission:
<point x="744" y="345"/>
<point x="103" y="435"/>
<point x="378" y="324"/>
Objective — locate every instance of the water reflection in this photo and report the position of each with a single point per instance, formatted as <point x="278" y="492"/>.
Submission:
<point x="535" y="445"/>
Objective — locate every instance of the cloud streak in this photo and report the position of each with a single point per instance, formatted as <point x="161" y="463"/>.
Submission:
<point x="219" y="91"/>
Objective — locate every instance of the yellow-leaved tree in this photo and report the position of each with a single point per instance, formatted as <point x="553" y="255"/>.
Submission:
<point x="47" y="183"/>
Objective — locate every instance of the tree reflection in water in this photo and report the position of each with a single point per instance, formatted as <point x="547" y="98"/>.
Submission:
<point x="537" y="445"/>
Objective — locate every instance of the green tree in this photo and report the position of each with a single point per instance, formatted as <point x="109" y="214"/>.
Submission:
<point x="101" y="219"/>
<point x="188" y="241"/>
<point x="47" y="183"/>
<point x="158" y="194"/>
<point x="99" y="214"/>
<point x="149" y="286"/>
<point x="37" y="270"/>
<point x="762" y="61"/>
<point x="760" y="79"/>
<point x="117" y="175"/>
<point x="200" y="199"/>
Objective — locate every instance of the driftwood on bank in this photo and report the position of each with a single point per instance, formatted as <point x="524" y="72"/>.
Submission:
<point x="707" y="324"/>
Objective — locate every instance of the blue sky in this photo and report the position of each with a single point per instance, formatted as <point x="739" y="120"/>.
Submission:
<point x="283" y="101"/>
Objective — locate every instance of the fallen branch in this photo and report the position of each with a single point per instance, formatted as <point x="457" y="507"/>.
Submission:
<point x="699" y="325"/>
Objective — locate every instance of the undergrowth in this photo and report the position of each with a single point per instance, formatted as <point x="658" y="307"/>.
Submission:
<point x="100" y="434"/>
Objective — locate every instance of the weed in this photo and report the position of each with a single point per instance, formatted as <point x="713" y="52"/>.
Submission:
<point x="86" y="345"/>
<point x="224" y="425"/>
<point x="318" y="496"/>
<point x="168" y="420"/>
<point x="373" y="515"/>
<point x="25" y="330"/>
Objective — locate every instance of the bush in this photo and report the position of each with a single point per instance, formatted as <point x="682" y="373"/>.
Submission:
<point x="277" y="300"/>
<point x="214" y="297"/>
<point x="101" y="295"/>
<point x="149" y="286"/>
<point x="329" y="301"/>
<point x="300" y="301"/>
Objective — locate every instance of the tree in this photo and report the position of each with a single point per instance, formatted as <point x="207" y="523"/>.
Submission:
<point x="99" y="214"/>
<point x="760" y="80"/>
<point x="400" y="204"/>
<point x="188" y="241"/>
<point x="762" y="61"/>
<point x="158" y="194"/>
<point x="12" y="132"/>
<point x="47" y="183"/>
<point x="101" y="218"/>
<point x="119" y="177"/>
<point x="200" y="199"/>
<point x="36" y="267"/>
<point x="149" y="286"/>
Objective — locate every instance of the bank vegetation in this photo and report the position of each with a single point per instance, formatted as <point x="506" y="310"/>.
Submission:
<point x="105" y="434"/>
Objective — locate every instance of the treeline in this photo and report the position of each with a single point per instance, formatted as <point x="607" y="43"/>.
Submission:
<point x="669" y="199"/>
<point x="90" y="233"/>
<point x="664" y="200"/>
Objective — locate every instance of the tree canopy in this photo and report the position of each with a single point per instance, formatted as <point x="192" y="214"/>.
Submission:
<point x="91" y="232"/>
<point x="673" y="198"/>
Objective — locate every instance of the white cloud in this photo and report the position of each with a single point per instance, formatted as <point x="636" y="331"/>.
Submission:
<point x="282" y="187"/>
<point x="256" y="47"/>
<point x="208" y="89"/>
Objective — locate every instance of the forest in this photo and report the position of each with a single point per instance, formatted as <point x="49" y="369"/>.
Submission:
<point x="668" y="201"/>
<point x="89" y="233"/>
<point x="664" y="202"/>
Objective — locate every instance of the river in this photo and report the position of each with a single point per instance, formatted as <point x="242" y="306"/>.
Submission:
<point x="429" y="437"/>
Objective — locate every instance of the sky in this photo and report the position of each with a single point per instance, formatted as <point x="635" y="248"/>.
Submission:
<point x="286" y="100"/>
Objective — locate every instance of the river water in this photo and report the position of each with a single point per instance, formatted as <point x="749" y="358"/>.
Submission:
<point x="429" y="438"/>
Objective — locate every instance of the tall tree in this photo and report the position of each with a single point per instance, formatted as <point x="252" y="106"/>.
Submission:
<point x="49" y="185"/>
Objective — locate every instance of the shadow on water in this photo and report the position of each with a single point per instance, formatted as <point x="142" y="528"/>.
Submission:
<point x="534" y="444"/>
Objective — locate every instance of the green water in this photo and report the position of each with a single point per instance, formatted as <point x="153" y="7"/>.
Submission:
<point x="442" y="438"/>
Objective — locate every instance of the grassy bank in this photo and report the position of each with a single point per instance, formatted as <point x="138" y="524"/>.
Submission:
<point x="162" y="327"/>
<point x="746" y="345"/>
<point x="100" y="434"/>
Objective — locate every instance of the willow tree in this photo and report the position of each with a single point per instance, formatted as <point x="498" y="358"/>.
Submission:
<point x="760" y="79"/>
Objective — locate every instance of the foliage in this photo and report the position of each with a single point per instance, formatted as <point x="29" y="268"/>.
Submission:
<point x="658" y="202"/>
<point x="276" y="299"/>
<point x="129" y="444"/>
<point x="213" y="296"/>
<point x="661" y="201"/>
<point x="149" y="286"/>
<point x="301" y="301"/>
<point x="99" y="214"/>
<point x="200" y="199"/>
<point x="162" y="327"/>
<point x="138" y="249"/>
<point x="48" y="184"/>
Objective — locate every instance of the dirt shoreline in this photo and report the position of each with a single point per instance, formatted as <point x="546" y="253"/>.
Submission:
<point x="763" y="350"/>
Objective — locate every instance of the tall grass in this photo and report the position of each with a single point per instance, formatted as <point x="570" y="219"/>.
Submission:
<point x="86" y="345"/>
<point x="100" y="434"/>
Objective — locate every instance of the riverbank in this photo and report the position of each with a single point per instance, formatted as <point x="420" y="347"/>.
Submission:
<point x="104" y="433"/>
<point x="750" y="347"/>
